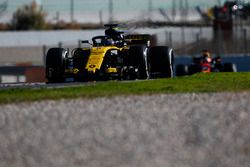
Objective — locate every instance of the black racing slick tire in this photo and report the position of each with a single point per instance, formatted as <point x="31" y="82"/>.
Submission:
<point x="160" y="62"/>
<point x="137" y="58"/>
<point x="194" y="68"/>
<point x="181" y="70"/>
<point x="229" y="67"/>
<point x="55" y="64"/>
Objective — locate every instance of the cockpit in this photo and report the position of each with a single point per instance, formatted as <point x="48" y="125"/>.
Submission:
<point x="111" y="37"/>
<point x="102" y="41"/>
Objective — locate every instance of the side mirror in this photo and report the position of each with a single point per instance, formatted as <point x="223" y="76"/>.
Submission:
<point x="85" y="41"/>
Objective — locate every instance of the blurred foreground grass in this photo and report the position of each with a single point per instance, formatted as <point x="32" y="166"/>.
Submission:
<point x="198" y="83"/>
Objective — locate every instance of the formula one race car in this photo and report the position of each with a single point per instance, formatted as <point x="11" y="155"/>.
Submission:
<point x="206" y="64"/>
<point x="111" y="56"/>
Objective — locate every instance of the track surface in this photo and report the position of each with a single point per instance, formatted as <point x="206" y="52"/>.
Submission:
<point x="42" y="85"/>
<point x="56" y="85"/>
<point x="182" y="130"/>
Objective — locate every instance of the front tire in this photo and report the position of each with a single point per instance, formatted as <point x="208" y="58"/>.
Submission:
<point x="181" y="70"/>
<point x="194" y="68"/>
<point x="55" y="64"/>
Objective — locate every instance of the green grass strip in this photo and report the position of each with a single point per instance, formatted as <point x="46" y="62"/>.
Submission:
<point x="198" y="83"/>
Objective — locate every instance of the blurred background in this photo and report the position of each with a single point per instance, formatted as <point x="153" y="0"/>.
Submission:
<point x="29" y="27"/>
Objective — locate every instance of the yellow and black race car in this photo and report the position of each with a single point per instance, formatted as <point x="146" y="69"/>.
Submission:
<point x="111" y="56"/>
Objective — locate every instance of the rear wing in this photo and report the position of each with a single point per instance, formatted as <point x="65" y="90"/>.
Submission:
<point x="138" y="39"/>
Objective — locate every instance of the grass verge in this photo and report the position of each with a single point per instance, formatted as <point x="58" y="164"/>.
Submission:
<point x="210" y="82"/>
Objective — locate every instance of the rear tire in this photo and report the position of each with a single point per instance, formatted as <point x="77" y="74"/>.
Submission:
<point x="55" y="64"/>
<point x="161" y="60"/>
<point x="137" y="58"/>
<point x="229" y="67"/>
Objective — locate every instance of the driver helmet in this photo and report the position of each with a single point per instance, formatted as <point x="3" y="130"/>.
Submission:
<point x="206" y="56"/>
<point x="109" y="41"/>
